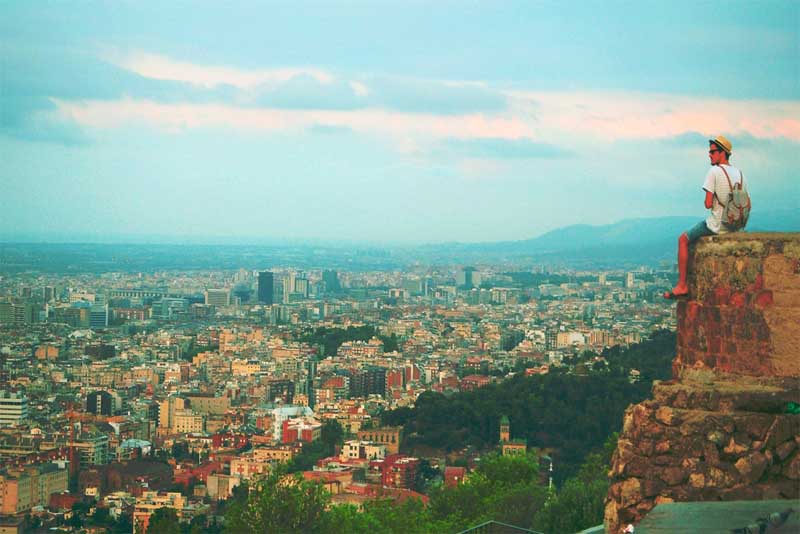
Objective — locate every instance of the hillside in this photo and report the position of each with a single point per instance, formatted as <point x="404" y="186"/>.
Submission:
<point x="538" y="406"/>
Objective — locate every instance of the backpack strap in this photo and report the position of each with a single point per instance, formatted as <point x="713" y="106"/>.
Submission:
<point x="730" y="185"/>
<point x="726" y="176"/>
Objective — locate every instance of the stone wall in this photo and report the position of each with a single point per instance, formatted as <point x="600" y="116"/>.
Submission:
<point x="719" y="430"/>
<point x="744" y="312"/>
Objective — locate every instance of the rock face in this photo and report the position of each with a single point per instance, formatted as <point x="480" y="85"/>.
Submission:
<point x="719" y="430"/>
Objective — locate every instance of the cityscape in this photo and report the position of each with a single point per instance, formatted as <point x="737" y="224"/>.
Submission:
<point x="399" y="267"/>
<point x="223" y="374"/>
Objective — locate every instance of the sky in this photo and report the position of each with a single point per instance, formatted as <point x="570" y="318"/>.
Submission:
<point x="405" y="122"/>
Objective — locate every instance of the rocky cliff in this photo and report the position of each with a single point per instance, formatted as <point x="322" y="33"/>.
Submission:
<point x="723" y="427"/>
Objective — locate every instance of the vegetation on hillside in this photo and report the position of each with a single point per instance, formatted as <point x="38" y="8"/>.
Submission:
<point x="330" y="339"/>
<point x="506" y="489"/>
<point x="576" y="414"/>
<point x="569" y="412"/>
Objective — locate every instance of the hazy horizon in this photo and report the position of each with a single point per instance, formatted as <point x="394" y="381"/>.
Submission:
<point x="244" y="239"/>
<point x="399" y="123"/>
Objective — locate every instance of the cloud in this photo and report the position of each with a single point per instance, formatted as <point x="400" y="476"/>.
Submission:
<point x="327" y="129"/>
<point x="32" y="78"/>
<point x="628" y="115"/>
<point x="433" y="96"/>
<point x="163" y="68"/>
<point x="175" y="95"/>
<point x="35" y="119"/>
<point x="314" y="88"/>
<point x="498" y="148"/>
<point x="176" y="117"/>
<point x="306" y="92"/>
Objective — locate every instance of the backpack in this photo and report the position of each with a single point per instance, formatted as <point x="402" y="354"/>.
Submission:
<point x="737" y="208"/>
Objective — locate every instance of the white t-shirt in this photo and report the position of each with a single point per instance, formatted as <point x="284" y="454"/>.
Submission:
<point x="717" y="184"/>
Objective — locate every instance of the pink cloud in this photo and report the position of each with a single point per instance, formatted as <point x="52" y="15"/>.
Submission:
<point x="561" y="116"/>
<point x="565" y="118"/>
<point x="612" y="116"/>
<point x="176" y="117"/>
<point x="163" y="68"/>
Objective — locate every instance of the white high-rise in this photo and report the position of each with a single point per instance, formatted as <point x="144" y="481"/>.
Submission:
<point x="13" y="408"/>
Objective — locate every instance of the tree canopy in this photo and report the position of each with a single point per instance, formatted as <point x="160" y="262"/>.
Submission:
<point x="502" y="488"/>
<point x="573" y="414"/>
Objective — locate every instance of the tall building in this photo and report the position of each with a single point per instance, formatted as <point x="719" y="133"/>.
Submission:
<point x="218" y="297"/>
<point x="92" y="449"/>
<point x="551" y="339"/>
<point x="368" y="382"/>
<point x="311" y="373"/>
<point x="101" y="403"/>
<point x="266" y="292"/>
<point x="465" y="278"/>
<point x="98" y="316"/>
<point x="169" y="307"/>
<point x="6" y="311"/>
<point x="331" y="279"/>
<point x="280" y="389"/>
<point x="49" y="293"/>
<point x="630" y="280"/>
<point x="287" y="285"/>
<point x="18" y="312"/>
<point x="301" y="286"/>
<point x="13" y="408"/>
<point x="167" y="409"/>
<point x="242" y="292"/>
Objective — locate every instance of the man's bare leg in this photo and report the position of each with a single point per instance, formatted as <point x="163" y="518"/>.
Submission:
<point x="683" y="265"/>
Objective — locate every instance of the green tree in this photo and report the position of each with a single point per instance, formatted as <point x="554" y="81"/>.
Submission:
<point x="164" y="521"/>
<point x="198" y="525"/>
<point x="281" y="503"/>
<point x="75" y="520"/>
<point x="502" y="488"/>
<point x="580" y="502"/>
<point x="101" y="516"/>
<point x="332" y="338"/>
<point x="123" y="525"/>
<point x="539" y="406"/>
<point x="348" y="518"/>
<point x="331" y="434"/>
<point x="390" y="343"/>
<point x="509" y="470"/>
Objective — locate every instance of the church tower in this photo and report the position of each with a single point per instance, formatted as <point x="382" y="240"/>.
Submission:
<point x="505" y="430"/>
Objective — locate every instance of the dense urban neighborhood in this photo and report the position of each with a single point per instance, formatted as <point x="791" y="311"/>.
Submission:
<point x="129" y="393"/>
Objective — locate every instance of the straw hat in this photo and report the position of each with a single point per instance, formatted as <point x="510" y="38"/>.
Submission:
<point x="722" y="142"/>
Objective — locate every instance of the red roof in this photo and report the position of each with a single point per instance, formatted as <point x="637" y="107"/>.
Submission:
<point x="373" y="490"/>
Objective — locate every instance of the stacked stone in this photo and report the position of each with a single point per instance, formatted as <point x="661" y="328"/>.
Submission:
<point x="719" y="430"/>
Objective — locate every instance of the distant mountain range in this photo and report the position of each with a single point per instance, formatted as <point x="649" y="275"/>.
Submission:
<point x="637" y="240"/>
<point x="624" y="244"/>
<point x="649" y="230"/>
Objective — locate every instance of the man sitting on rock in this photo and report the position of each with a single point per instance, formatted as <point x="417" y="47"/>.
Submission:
<point x="718" y="188"/>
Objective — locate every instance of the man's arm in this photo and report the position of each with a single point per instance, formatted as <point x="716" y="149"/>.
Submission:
<point x="710" y="186"/>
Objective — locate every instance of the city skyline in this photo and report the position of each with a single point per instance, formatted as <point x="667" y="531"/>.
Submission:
<point x="402" y="123"/>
